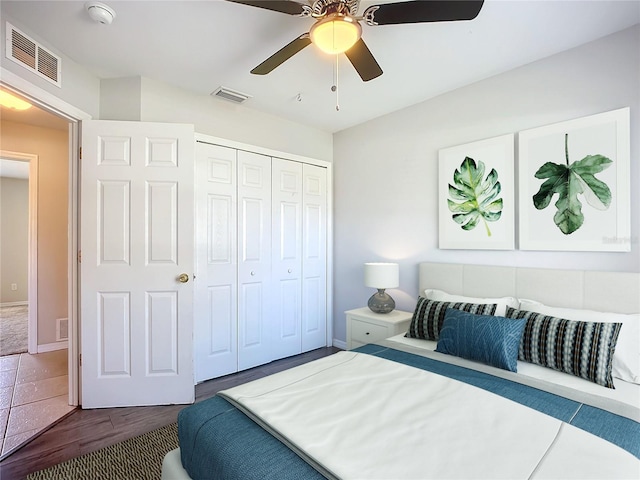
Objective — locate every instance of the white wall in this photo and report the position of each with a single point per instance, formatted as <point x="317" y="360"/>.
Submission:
<point x="140" y="98"/>
<point x="14" y="239"/>
<point x="79" y="87"/>
<point x="385" y="190"/>
<point x="220" y="118"/>
<point x="120" y="98"/>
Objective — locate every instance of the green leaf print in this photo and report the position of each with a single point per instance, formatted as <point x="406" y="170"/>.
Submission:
<point x="475" y="197"/>
<point x="568" y="181"/>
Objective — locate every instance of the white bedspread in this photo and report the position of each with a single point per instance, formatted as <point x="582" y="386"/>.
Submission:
<point x="362" y="417"/>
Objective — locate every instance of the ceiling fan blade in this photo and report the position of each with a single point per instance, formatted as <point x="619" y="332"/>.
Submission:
<point x="362" y="60"/>
<point x="282" y="55"/>
<point x="282" y="6"/>
<point x="420" y="11"/>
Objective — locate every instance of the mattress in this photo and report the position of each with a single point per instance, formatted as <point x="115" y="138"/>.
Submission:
<point x="218" y="440"/>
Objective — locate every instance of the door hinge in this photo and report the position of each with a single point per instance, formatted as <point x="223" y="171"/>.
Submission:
<point x="80" y="359"/>
<point x="80" y="153"/>
<point x="79" y="256"/>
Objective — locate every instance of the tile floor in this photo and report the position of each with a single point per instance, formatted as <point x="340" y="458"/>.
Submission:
<point x="33" y="395"/>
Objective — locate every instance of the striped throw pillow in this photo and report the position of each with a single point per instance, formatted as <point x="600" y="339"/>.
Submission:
<point x="428" y="316"/>
<point x="583" y="349"/>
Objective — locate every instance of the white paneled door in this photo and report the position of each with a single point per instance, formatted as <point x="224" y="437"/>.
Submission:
<point x="286" y="256"/>
<point x="137" y="247"/>
<point x="216" y="324"/>
<point x="254" y="260"/>
<point x="314" y="257"/>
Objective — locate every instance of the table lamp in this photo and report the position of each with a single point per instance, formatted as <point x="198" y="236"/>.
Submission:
<point x="381" y="276"/>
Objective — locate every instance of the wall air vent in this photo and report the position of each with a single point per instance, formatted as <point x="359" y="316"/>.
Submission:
<point x="30" y="54"/>
<point x="231" y="95"/>
<point x="62" y="329"/>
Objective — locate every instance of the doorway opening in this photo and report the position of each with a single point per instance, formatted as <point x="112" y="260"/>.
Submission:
<point x="19" y="272"/>
<point x="40" y="384"/>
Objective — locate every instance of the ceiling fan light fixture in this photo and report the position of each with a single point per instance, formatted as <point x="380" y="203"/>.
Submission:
<point x="336" y="33"/>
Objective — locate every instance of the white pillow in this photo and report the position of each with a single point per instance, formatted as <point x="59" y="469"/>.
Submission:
<point x="501" y="302"/>
<point x="626" y="359"/>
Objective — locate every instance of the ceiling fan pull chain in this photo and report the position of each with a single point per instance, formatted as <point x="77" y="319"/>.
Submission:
<point x="335" y="86"/>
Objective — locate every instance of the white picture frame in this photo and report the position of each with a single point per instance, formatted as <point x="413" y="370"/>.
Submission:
<point x="556" y="226"/>
<point x="496" y="154"/>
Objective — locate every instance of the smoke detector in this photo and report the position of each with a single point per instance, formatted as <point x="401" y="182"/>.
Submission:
<point x="101" y="13"/>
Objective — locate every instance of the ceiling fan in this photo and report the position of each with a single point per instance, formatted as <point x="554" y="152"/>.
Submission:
<point x="337" y="28"/>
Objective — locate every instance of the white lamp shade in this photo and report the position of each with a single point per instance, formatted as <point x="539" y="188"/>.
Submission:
<point x="335" y="33"/>
<point x="381" y="275"/>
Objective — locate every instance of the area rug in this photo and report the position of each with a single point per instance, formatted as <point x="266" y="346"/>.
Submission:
<point x="138" y="458"/>
<point x="14" y="324"/>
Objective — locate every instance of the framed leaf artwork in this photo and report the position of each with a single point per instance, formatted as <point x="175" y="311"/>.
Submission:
<point x="574" y="187"/>
<point x="476" y="195"/>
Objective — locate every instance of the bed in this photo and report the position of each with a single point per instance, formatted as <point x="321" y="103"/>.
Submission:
<point x="418" y="408"/>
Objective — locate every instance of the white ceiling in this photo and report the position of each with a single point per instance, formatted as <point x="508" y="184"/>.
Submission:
<point x="201" y="45"/>
<point x="34" y="116"/>
<point x="14" y="168"/>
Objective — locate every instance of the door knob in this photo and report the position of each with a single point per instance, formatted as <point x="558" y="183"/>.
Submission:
<point x="183" y="278"/>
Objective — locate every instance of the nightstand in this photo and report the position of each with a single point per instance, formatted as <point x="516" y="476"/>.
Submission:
<point x="365" y="326"/>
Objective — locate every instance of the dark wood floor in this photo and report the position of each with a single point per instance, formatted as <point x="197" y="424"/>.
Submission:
<point x="84" y="431"/>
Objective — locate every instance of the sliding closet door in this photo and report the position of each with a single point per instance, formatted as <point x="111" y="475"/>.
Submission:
<point x="215" y="319"/>
<point x="286" y="199"/>
<point x="261" y="243"/>
<point x="254" y="259"/>
<point x="314" y="258"/>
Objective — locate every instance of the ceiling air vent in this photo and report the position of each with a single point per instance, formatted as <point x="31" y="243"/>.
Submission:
<point x="231" y="95"/>
<point x="30" y="54"/>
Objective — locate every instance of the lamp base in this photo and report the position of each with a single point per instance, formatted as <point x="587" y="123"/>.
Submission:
<point x="381" y="302"/>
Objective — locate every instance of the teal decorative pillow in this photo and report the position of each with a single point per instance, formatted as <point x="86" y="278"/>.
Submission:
<point x="483" y="338"/>
<point x="583" y="349"/>
<point x="429" y="315"/>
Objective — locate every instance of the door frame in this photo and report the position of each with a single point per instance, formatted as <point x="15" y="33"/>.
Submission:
<point x="32" y="274"/>
<point x="74" y="116"/>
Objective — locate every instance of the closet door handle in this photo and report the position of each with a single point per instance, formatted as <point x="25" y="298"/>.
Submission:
<point x="253" y="274"/>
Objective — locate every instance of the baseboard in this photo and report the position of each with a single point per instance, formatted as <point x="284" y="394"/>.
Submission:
<point x="340" y="344"/>
<point x="13" y="304"/>
<point x="50" y="347"/>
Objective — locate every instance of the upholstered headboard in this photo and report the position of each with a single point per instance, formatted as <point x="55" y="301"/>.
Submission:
<point x="604" y="291"/>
